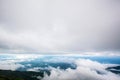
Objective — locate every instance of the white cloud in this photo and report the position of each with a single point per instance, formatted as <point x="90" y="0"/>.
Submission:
<point x="9" y="65"/>
<point x="12" y="61"/>
<point x="86" y="70"/>
<point x="35" y="69"/>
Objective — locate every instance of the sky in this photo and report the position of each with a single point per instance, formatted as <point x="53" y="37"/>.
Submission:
<point x="60" y="26"/>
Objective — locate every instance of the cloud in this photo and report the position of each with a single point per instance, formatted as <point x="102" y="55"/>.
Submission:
<point x="13" y="61"/>
<point x="55" y="26"/>
<point x="10" y="65"/>
<point x="35" y="69"/>
<point x="86" y="70"/>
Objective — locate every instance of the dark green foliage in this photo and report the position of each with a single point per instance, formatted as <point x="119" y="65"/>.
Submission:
<point x="20" y="75"/>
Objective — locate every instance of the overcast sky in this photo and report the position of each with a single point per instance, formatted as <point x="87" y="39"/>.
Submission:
<point x="60" y="25"/>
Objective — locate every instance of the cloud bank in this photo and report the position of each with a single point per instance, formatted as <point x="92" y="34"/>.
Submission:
<point x="10" y="64"/>
<point x="86" y="70"/>
<point x="12" y="61"/>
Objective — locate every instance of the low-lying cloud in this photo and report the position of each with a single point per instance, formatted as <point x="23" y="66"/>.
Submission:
<point x="86" y="70"/>
<point x="10" y="65"/>
<point x="13" y="61"/>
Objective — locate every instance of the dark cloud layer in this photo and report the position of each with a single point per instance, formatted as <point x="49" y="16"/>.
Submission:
<point x="60" y="26"/>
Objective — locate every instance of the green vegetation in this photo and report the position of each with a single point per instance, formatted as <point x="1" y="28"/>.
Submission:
<point x="20" y="75"/>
